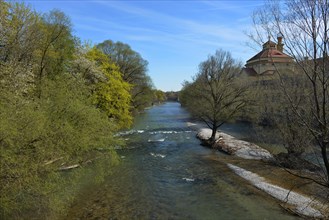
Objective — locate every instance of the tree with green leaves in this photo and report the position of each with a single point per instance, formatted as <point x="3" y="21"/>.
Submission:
<point x="160" y="96"/>
<point x="111" y="91"/>
<point x="56" y="46"/>
<point x="48" y="110"/>
<point x="33" y="46"/>
<point x="134" y="71"/>
<point x="215" y="95"/>
<point x="18" y="42"/>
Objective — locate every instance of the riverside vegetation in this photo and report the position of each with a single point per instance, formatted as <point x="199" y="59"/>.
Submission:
<point x="60" y="101"/>
<point x="293" y="105"/>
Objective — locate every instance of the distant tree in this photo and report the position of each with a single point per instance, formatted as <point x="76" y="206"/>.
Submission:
<point x="134" y="70"/>
<point x="304" y="27"/>
<point x="215" y="95"/>
<point x="132" y="65"/>
<point x="160" y="96"/>
<point x="172" y="96"/>
<point x="142" y="93"/>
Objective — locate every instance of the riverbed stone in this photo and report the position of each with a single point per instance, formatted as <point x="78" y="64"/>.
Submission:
<point x="233" y="146"/>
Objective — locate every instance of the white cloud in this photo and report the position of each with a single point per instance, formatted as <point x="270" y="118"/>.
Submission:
<point x="173" y="28"/>
<point x="232" y="6"/>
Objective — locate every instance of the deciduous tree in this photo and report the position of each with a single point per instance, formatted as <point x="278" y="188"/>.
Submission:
<point x="55" y="46"/>
<point x="215" y="95"/>
<point x="134" y="71"/>
<point x="111" y="91"/>
<point x="38" y="132"/>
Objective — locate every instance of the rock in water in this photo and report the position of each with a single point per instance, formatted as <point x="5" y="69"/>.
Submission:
<point x="233" y="146"/>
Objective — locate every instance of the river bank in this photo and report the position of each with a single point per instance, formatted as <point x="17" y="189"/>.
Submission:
<point x="297" y="195"/>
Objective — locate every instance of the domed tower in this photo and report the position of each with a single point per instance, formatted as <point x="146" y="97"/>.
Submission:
<point x="269" y="60"/>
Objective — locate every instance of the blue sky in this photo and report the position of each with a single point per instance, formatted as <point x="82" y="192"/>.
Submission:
<point x="173" y="36"/>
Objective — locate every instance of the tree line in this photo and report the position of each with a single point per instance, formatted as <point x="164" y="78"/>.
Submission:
<point x="60" y="101"/>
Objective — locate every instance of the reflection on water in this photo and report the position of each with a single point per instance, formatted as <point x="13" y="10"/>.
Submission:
<point x="166" y="174"/>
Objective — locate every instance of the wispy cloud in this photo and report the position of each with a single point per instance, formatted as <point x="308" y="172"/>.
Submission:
<point x="233" y="6"/>
<point x="176" y="25"/>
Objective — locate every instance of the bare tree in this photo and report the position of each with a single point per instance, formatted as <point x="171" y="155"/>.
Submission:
<point x="214" y="95"/>
<point x="304" y="26"/>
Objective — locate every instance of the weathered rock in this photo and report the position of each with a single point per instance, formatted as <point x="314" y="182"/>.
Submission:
<point x="205" y="133"/>
<point x="233" y="146"/>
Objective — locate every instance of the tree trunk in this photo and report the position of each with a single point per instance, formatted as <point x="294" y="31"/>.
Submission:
<point x="213" y="135"/>
<point x="325" y="160"/>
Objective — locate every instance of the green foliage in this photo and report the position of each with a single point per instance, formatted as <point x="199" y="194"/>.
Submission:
<point x="134" y="71"/>
<point x="142" y="95"/>
<point x="112" y="92"/>
<point x="34" y="46"/>
<point x="64" y="124"/>
<point x="131" y="64"/>
<point x="160" y="96"/>
<point x="72" y="117"/>
<point x="19" y="25"/>
<point x="60" y="103"/>
<point x="58" y="106"/>
<point x="55" y="47"/>
<point x="17" y="42"/>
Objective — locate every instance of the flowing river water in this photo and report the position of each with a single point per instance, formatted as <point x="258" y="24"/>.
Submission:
<point x="164" y="173"/>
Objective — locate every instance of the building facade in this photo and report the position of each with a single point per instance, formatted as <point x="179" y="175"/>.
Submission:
<point x="270" y="60"/>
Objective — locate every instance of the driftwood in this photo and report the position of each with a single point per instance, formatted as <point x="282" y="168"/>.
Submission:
<point x="52" y="161"/>
<point x="65" y="168"/>
<point x="69" y="167"/>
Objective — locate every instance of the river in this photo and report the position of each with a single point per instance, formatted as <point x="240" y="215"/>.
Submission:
<point x="164" y="173"/>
